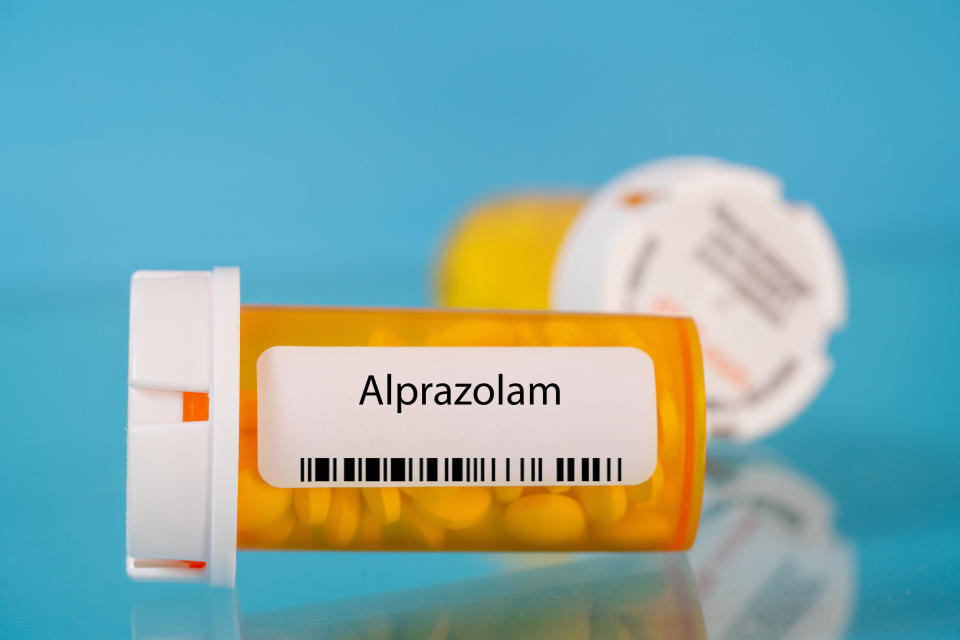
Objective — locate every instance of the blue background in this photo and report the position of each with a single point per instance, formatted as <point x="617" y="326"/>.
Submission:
<point x="327" y="148"/>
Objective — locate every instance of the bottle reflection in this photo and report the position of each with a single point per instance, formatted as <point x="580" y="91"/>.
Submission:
<point x="622" y="596"/>
<point x="768" y="563"/>
<point x="768" y="560"/>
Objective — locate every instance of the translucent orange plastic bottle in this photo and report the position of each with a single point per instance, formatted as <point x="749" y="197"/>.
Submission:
<point x="390" y="429"/>
<point x="501" y="254"/>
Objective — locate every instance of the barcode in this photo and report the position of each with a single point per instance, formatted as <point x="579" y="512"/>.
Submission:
<point x="460" y="470"/>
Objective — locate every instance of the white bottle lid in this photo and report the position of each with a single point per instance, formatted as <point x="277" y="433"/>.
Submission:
<point x="761" y="276"/>
<point x="182" y="476"/>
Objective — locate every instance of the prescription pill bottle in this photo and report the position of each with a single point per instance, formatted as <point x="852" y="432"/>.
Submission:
<point x="317" y="428"/>
<point x="761" y="276"/>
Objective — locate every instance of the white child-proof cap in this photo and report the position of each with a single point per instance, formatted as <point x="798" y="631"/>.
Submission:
<point x="761" y="276"/>
<point x="182" y="476"/>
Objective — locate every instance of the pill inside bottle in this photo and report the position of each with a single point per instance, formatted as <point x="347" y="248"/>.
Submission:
<point x="322" y="428"/>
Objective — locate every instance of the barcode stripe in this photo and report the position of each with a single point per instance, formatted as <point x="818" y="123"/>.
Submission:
<point x="398" y="469"/>
<point x="467" y="469"/>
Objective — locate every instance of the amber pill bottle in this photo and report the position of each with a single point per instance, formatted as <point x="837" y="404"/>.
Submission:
<point x="321" y="428"/>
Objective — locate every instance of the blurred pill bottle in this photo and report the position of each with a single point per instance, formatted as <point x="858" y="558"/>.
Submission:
<point x="761" y="276"/>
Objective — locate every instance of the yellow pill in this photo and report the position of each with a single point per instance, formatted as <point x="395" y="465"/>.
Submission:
<point x="312" y="505"/>
<point x="343" y="517"/>
<point x="603" y="504"/>
<point x="527" y="334"/>
<point x="384" y="504"/>
<point x="369" y="532"/>
<point x="649" y="489"/>
<point x="273" y="535"/>
<point x="486" y="534"/>
<point x="386" y="338"/>
<point x="671" y="430"/>
<point x="544" y="520"/>
<point x="466" y="508"/>
<point x="639" y="528"/>
<point x="561" y="489"/>
<point x="475" y="333"/>
<point x="304" y="536"/>
<point x="507" y="494"/>
<point x="259" y="504"/>
<point x="430" y="493"/>
<point x="560" y="333"/>
<point x="415" y="532"/>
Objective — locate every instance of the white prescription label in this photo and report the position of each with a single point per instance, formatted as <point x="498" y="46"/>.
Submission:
<point x="453" y="416"/>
